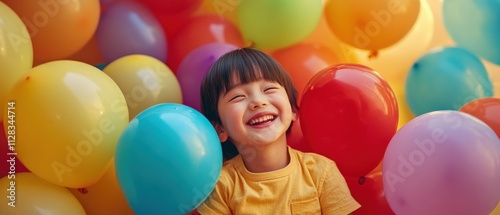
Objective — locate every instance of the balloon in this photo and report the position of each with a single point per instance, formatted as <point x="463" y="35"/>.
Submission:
<point x="12" y="164"/>
<point x="371" y="25"/>
<point x="29" y="194"/>
<point x="349" y="114"/>
<point x="89" y="54"/>
<point x="445" y="79"/>
<point x="497" y="210"/>
<point x="485" y="109"/>
<point x="199" y="31"/>
<point x="278" y="24"/>
<point x="443" y="162"/>
<point x="16" y="55"/>
<point x="68" y="118"/>
<point x="295" y="138"/>
<point x="369" y="192"/>
<point x="145" y="81"/>
<point x="479" y="30"/>
<point x="404" y="111"/>
<point x="172" y="7"/>
<point x="127" y="27"/>
<point x="168" y="160"/>
<point x="195" y="66"/>
<point x="104" y="197"/>
<point x="394" y="62"/>
<point x="57" y="29"/>
<point x="303" y="61"/>
<point x="226" y="9"/>
<point x="440" y="35"/>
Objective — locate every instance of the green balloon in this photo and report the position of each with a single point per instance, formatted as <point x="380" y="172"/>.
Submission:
<point x="275" y="24"/>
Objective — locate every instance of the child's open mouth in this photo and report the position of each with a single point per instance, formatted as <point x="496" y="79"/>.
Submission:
<point x="261" y="120"/>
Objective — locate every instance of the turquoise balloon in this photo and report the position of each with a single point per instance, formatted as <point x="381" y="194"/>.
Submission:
<point x="475" y="25"/>
<point x="446" y="79"/>
<point x="275" y="24"/>
<point x="168" y="160"/>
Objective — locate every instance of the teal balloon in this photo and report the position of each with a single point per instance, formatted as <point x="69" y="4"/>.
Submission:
<point x="275" y="24"/>
<point x="168" y="160"/>
<point x="446" y="79"/>
<point x="475" y="25"/>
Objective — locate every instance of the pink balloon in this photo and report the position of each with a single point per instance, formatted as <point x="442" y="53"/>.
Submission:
<point x="195" y="66"/>
<point x="127" y="27"/>
<point x="443" y="162"/>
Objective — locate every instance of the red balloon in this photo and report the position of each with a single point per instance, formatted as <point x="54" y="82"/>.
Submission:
<point x="303" y="61"/>
<point x="369" y="192"/>
<point x="349" y="113"/>
<point x="10" y="164"/>
<point x="197" y="31"/>
<point x="295" y="139"/>
<point x="172" y="7"/>
<point x="485" y="109"/>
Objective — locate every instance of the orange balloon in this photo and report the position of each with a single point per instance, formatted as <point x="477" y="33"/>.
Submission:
<point x="371" y="25"/>
<point x="303" y="61"/>
<point x="198" y="31"/>
<point x="57" y="28"/>
<point x="104" y="197"/>
<point x="89" y="54"/>
<point x="485" y="109"/>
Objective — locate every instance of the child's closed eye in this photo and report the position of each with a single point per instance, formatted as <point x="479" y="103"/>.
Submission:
<point x="236" y="97"/>
<point x="270" y="89"/>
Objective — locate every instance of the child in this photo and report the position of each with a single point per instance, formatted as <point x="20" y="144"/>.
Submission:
<point x="252" y="103"/>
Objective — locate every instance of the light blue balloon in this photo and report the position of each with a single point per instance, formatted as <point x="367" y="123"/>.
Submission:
<point x="446" y="79"/>
<point x="475" y="25"/>
<point x="168" y="160"/>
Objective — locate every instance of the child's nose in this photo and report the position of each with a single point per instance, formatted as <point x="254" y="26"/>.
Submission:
<point x="258" y="101"/>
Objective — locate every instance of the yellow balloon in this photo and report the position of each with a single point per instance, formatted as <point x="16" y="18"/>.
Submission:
<point x="371" y="25"/>
<point x="497" y="210"/>
<point x="32" y="195"/>
<point x="405" y="114"/>
<point x="394" y="62"/>
<point x="68" y="117"/>
<point x="145" y="81"/>
<point x="16" y="51"/>
<point x="224" y="9"/>
<point x="440" y="36"/>
<point x="105" y="197"/>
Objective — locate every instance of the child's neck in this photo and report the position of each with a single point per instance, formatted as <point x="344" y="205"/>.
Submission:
<point x="272" y="157"/>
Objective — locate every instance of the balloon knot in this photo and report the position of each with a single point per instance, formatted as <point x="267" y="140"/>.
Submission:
<point x="83" y="190"/>
<point x="373" y="54"/>
<point x="361" y="180"/>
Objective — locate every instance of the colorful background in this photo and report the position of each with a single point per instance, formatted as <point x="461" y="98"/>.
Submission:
<point x="100" y="100"/>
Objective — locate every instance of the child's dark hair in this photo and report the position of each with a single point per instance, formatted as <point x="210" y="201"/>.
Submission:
<point x="245" y="65"/>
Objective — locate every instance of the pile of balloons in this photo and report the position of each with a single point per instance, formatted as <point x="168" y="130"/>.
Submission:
<point x="100" y="102"/>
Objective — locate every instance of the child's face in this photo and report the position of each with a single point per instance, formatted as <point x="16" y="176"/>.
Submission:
<point x="257" y="113"/>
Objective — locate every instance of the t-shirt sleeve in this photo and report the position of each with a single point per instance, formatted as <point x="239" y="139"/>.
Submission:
<point x="215" y="204"/>
<point x="335" y="197"/>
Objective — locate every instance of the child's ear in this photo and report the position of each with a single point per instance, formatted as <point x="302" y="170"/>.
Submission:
<point x="222" y="134"/>
<point x="294" y="116"/>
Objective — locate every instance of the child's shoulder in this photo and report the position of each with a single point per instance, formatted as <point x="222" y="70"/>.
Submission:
<point x="311" y="158"/>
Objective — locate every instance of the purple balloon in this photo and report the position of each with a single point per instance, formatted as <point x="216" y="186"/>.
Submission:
<point x="195" y="66"/>
<point x="128" y="27"/>
<point x="443" y="162"/>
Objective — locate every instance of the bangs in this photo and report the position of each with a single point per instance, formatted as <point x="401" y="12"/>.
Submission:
<point x="249" y="68"/>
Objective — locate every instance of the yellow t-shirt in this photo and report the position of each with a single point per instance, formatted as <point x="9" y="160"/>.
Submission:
<point x="309" y="184"/>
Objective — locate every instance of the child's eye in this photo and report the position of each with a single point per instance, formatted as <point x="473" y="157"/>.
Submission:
<point x="270" y="88"/>
<point x="235" y="97"/>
